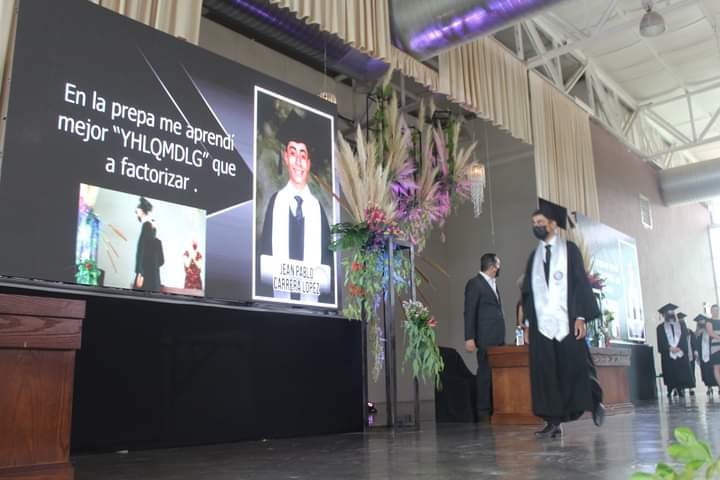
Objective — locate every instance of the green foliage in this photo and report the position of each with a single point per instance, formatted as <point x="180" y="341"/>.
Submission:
<point x="87" y="273"/>
<point x="422" y="350"/>
<point x="692" y="454"/>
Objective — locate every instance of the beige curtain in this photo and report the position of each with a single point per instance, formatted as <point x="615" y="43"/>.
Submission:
<point x="8" y="15"/>
<point x="564" y="164"/>
<point x="487" y="79"/>
<point x="180" y="18"/>
<point x="365" y="24"/>
<point x="414" y="69"/>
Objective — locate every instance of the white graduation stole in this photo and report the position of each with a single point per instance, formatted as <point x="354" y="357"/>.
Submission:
<point x="673" y="336"/>
<point x="551" y="297"/>
<point x="705" y="347"/>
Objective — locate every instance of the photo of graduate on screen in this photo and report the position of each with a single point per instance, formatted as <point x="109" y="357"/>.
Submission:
<point x="293" y="210"/>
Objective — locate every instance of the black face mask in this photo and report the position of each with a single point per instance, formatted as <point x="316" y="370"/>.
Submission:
<point x="540" y="232"/>
<point x="497" y="273"/>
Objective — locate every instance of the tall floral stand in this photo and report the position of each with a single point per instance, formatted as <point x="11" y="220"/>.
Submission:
<point x="396" y="247"/>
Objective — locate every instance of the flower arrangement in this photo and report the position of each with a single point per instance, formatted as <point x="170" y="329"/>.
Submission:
<point x="692" y="453"/>
<point x="396" y="183"/>
<point x="422" y="350"/>
<point x="87" y="272"/>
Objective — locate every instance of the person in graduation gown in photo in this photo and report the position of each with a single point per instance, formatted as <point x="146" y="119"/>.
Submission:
<point x="672" y="340"/>
<point x="691" y="357"/>
<point x="149" y="252"/>
<point x="296" y="226"/>
<point x="558" y="302"/>
<point x="701" y="345"/>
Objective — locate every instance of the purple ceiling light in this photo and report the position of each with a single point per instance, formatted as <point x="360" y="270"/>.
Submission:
<point x="424" y="28"/>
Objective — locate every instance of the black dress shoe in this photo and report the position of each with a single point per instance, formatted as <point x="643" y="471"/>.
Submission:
<point x="598" y="414"/>
<point x="692" y="392"/>
<point x="546" y="430"/>
<point x="557" y="432"/>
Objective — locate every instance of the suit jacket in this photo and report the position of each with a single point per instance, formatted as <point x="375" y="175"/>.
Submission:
<point x="484" y="320"/>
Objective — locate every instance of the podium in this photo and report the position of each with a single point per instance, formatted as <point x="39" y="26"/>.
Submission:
<point x="38" y="340"/>
<point x="512" y="402"/>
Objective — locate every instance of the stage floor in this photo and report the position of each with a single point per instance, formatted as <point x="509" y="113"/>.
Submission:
<point x="447" y="451"/>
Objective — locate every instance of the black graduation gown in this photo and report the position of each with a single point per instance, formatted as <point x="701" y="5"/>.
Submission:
<point x="560" y="372"/>
<point x="149" y="258"/>
<point x="706" y="368"/>
<point x="676" y="373"/>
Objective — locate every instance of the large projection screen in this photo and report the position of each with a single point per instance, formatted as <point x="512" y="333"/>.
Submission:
<point x="135" y="162"/>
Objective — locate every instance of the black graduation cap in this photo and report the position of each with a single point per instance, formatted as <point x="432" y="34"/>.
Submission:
<point x="555" y="212"/>
<point x="701" y="319"/>
<point x="681" y="315"/>
<point x="310" y="129"/>
<point x="668" y="307"/>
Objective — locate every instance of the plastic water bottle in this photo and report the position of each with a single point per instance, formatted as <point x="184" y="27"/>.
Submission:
<point x="519" y="336"/>
<point x="601" y="340"/>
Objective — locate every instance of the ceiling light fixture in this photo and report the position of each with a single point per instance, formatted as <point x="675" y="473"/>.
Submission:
<point x="652" y="23"/>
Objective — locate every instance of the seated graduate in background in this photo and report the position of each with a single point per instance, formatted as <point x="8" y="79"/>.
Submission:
<point x="672" y="338"/>
<point x="558" y="301"/>
<point x="296" y="226"/>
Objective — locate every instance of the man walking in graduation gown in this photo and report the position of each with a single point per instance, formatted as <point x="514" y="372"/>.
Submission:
<point x="672" y="340"/>
<point x="558" y="301"/>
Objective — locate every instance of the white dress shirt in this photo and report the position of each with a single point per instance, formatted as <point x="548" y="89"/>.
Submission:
<point x="492" y="282"/>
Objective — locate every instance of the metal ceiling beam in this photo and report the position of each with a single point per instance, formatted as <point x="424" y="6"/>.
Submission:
<point x="680" y="148"/>
<point x="575" y="78"/>
<point x="538" y="45"/>
<point x="667" y="126"/>
<point x="602" y="33"/>
<point x="605" y="17"/>
<point x="710" y="124"/>
<point x="708" y="88"/>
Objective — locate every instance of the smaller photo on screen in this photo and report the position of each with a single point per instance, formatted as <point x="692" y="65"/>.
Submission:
<point x="140" y="243"/>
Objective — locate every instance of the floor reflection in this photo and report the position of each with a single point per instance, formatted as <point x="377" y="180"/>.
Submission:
<point x="626" y="443"/>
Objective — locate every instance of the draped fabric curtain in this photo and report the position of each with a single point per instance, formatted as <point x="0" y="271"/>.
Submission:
<point x="364" y="24"/>
<point x="487" y="79"/>
<point x="180" y="18"/>
<point x="414" y="69"/>
<point x="8" y="15"/>
<point x="564" y="164"/>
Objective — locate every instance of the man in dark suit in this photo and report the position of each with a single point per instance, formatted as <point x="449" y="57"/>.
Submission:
<point x="484" y="325"/>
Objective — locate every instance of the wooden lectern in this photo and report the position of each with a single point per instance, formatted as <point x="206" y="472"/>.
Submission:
<point x="512" y="402"/>
<point x="38" y="340"/>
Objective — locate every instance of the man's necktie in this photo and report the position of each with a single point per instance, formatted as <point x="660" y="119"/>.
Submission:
<point x="298" y="210"/>
<point x="548" y="256"/>
<point x="297" y="232"/>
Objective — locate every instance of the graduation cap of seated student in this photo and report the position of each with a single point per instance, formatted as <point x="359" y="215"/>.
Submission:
<point x="555" y="212"/>
<point x="668" y="307"/>
<point x="701" y="319"/>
